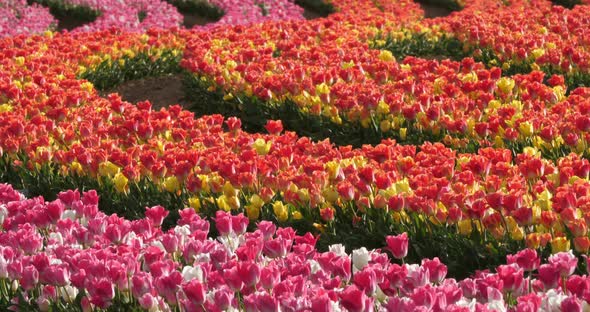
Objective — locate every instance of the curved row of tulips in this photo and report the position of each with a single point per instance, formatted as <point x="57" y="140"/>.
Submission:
<point x="323" y="72"/>
<point x="66" y="255"/>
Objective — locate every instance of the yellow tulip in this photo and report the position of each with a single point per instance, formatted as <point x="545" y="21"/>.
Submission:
<point x="120" y="181"/>
<point x="195" y="203"/>
<point x="19" y="60"/>
<point x="222" y="203"/>
<point x="253" y="212"/>
<point x="261" y="146"/>
<point x="385" y="126"/>
<point x="76" y="168"/>
<point x="403" y="133"/>
<point x="171" y="184"/>
<point x="229" y="190"/>
<point x="281" y="211"/>
<point x="505" y="84"/>
<point x="465" y="227"/>
<point x="108" y="169"/>
<point x="560" y="244"/>
<point x="386" y="56"/>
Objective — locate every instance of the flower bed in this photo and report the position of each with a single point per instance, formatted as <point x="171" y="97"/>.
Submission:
<point x="16" y="18"/>
<point x="519" y="36"/>
<point x="65" y="254"/>
<point x="137" y="156"/>
<point x="129" y="15"/>
<point x="524" y="184"/>
<point x="295" y="74"/>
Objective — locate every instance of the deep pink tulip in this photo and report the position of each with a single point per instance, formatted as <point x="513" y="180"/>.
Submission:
<point x="195" y="292"/>
<point x="141" y="284"/>
<point x="156" y="215"/>
<point x="239" y="223"/>
<point x="436" y="270"/>
<point x="267" y="228"/>
<point x="512" y="277"/>
<point x="549" y="274"/>
<point x="223" y="223"/>
<point x="148" y="301"/>
<point x="398" y="245"/>
<point x="249" y="273"/>
<point x="353" y="299"/>
<point x="321" y="304"/>
<point x="366" y="280"/>
<point x="526" y="259"/>
<point x="168" y="286"/>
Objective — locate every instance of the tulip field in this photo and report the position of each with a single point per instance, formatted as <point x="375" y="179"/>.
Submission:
<point x="335" y="155"/>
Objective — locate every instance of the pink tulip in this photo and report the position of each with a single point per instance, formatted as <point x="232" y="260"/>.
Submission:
<point x="170" y="242"/>
<point x="321" y="304"/>
<point x="195" y="292"/>
<point x="395" y="304"/>
<point x="526" y="259"/>
<point x="101" y="292"/>
<point x="353" y="299"/>
<point x="398" y="245"/>
<point x="249" y="272"/>
<point x="366" y="280"/>
<point x="168" y="286"/>
<point x="267" y="228"/>
<point x="275" y="248"/>
<point x="223" y="297"/>
<point x="269" y="276"/>
<point x="549" y="275"/>
<point x="565" y="262"/>
<point x="571" y="304"/>
<point x="141" y="284"/>
<point x="232" y="278"/>
<point x="528" y="303"/>
<point x="30" y="277"/>
<point x="57" y="275"/>
<point x="512" y="277"/>
<point x="239" y="223"/>
<point x="223" y="223"/>
<point x="148" y="301"/>
<point x="436" y="270"/>
<point x="156" y="215"/>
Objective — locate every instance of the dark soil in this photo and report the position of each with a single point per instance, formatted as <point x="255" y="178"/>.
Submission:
<point x="433" y="10"/>
<point x="310" y="14"/>
<point x="192" y="19"/>
<point x="160" y="91"/>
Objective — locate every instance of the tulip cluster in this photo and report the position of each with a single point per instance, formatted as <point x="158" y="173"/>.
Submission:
<point x="16" y="17"/>
<point x="52" y="124"/>
<point x="65" y="254"/>
<point x="535" y="33"/>
<point x="325" y="69"/>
